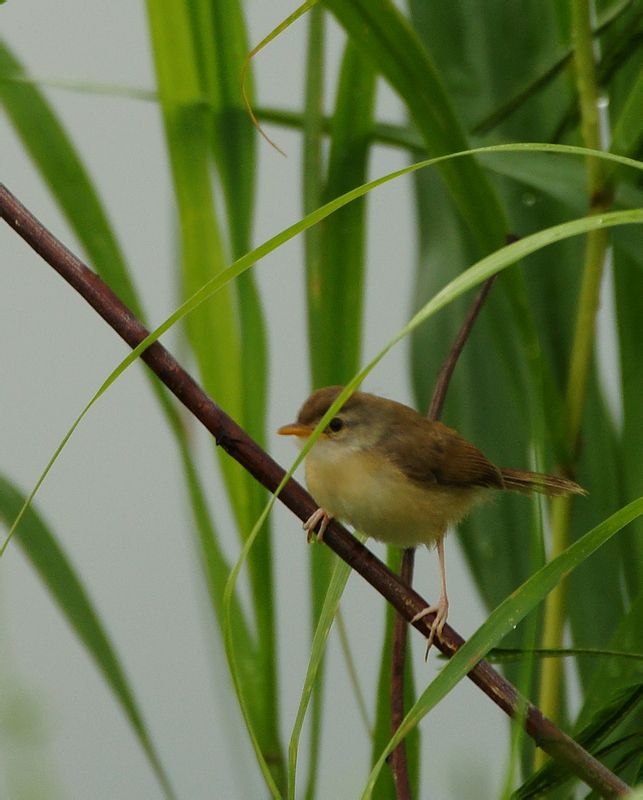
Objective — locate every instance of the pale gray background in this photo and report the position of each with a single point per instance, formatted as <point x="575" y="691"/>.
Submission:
<point x="116" y="497"/>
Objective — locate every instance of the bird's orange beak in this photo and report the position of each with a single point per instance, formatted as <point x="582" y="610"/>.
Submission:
<point x="295" y="429"/>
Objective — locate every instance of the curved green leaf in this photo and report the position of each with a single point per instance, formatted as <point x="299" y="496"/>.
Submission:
<point x="473" y="276"/>
<point x="605" y="719"/>
<point x="335" y="589"/>
<point x="225" y="354"/>
<point x="385" y="37"/>
<point x="53" y="153"/>
<point x="479" y="272"/>
<point x="504" y="618"/>
<point x="50" y="562"/>
<point x="62" y="169"/>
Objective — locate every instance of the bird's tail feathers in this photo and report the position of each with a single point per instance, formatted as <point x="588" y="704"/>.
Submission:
<point x="527" y="482"/>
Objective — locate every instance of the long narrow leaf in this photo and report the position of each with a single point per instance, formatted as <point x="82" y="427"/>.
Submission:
<point x="220" y="38"/>
<point x="384" y="36"/>
<point x="504" y="618"/>
<point x="335" y="279"/>
<point x="311" y="188"/>
<point x="56" y="572"/>
<point x="335" y="285"/>
<point x="335" y="589"/>
<point x="476" y="274"/>
<point x="628" y="278"/>
<point x="603" y="722"/>
<point x="212" y="331"/>
<point x="484" y="269"/>
<point x="62" y="169"/>
<point x="53" y="153"/>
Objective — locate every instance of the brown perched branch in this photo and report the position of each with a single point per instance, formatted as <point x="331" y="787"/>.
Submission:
<point x="261" y="466"/>
<point x="397" y="759"/>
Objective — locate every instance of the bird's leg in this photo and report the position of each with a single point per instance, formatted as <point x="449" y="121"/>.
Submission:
<point x="321" y="515"/>
<point x="441" y="609"/>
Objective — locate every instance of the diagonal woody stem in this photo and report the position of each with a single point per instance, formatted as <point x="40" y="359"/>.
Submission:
<point x="263" y="468"/>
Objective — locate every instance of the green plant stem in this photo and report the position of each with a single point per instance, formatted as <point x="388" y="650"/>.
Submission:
<point x="582" y="347"/>
<point x="312" y="171"/>
<point x="353" y="673"/>
<point x="554" y="622"/>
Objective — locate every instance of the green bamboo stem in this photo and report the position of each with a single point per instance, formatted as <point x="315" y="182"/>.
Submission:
<point x="582" y="348"/>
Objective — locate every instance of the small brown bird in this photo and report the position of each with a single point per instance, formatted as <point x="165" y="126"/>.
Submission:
<point x="398" y="477"/>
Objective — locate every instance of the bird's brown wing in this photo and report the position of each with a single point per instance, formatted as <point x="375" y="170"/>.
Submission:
<point x="435" y="453"/>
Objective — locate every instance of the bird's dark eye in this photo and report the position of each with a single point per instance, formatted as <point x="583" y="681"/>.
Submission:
<point x="336" y="424"/>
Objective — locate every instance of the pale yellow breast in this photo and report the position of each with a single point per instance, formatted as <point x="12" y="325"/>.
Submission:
<point x="377" y="499"/>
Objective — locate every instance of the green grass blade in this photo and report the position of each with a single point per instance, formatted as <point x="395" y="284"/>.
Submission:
<point x="234" y="146"/>
<point x="311" y="123"/>
<point x="84" y="87"/>
<point x="565" y="182"/>
<point x="530" y="627"/>
<point x="628" y="131"/>
<point x="283" y="25"/>
<point x="231" y="646"/>
<point x="596" y="589"/>
<point x="50" y="562"/>
<point x="184" y="75"/>
<point x="353" y="674"/>
<point x="335" y="283"/>
<point x="605" y="720"/>
<point x="628" y="281"/>
<point x="385" y="37"/>
<point x="212" y="330"/>
<point x="616" y="672"/>
<point x="504" y="618"/>
<point x="313" y="168"/>
<point x="60" y="166"/>
<point x="212" y="560"/>
<point x="501" y="655"/>
<point x="334" y="280"/>
<point x="221" y="37"/>
<point x="402" y="136"/>
<point x="546" y="75"/>
<point x="476" y="274"/>
<point x="335" y="589"/>
<point x="320" y="562"/>
<point x="613" y="675"/>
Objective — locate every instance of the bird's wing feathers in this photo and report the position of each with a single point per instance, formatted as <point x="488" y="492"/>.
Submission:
<point x="445" y="458"/>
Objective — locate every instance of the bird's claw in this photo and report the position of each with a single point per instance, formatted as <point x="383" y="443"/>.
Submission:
<point x="441" y="611"/>
<point x="317" y="517"/>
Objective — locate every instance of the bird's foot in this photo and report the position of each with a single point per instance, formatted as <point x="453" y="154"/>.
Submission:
<point x="319" y="516"/>
<point x="441" y="611"/>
